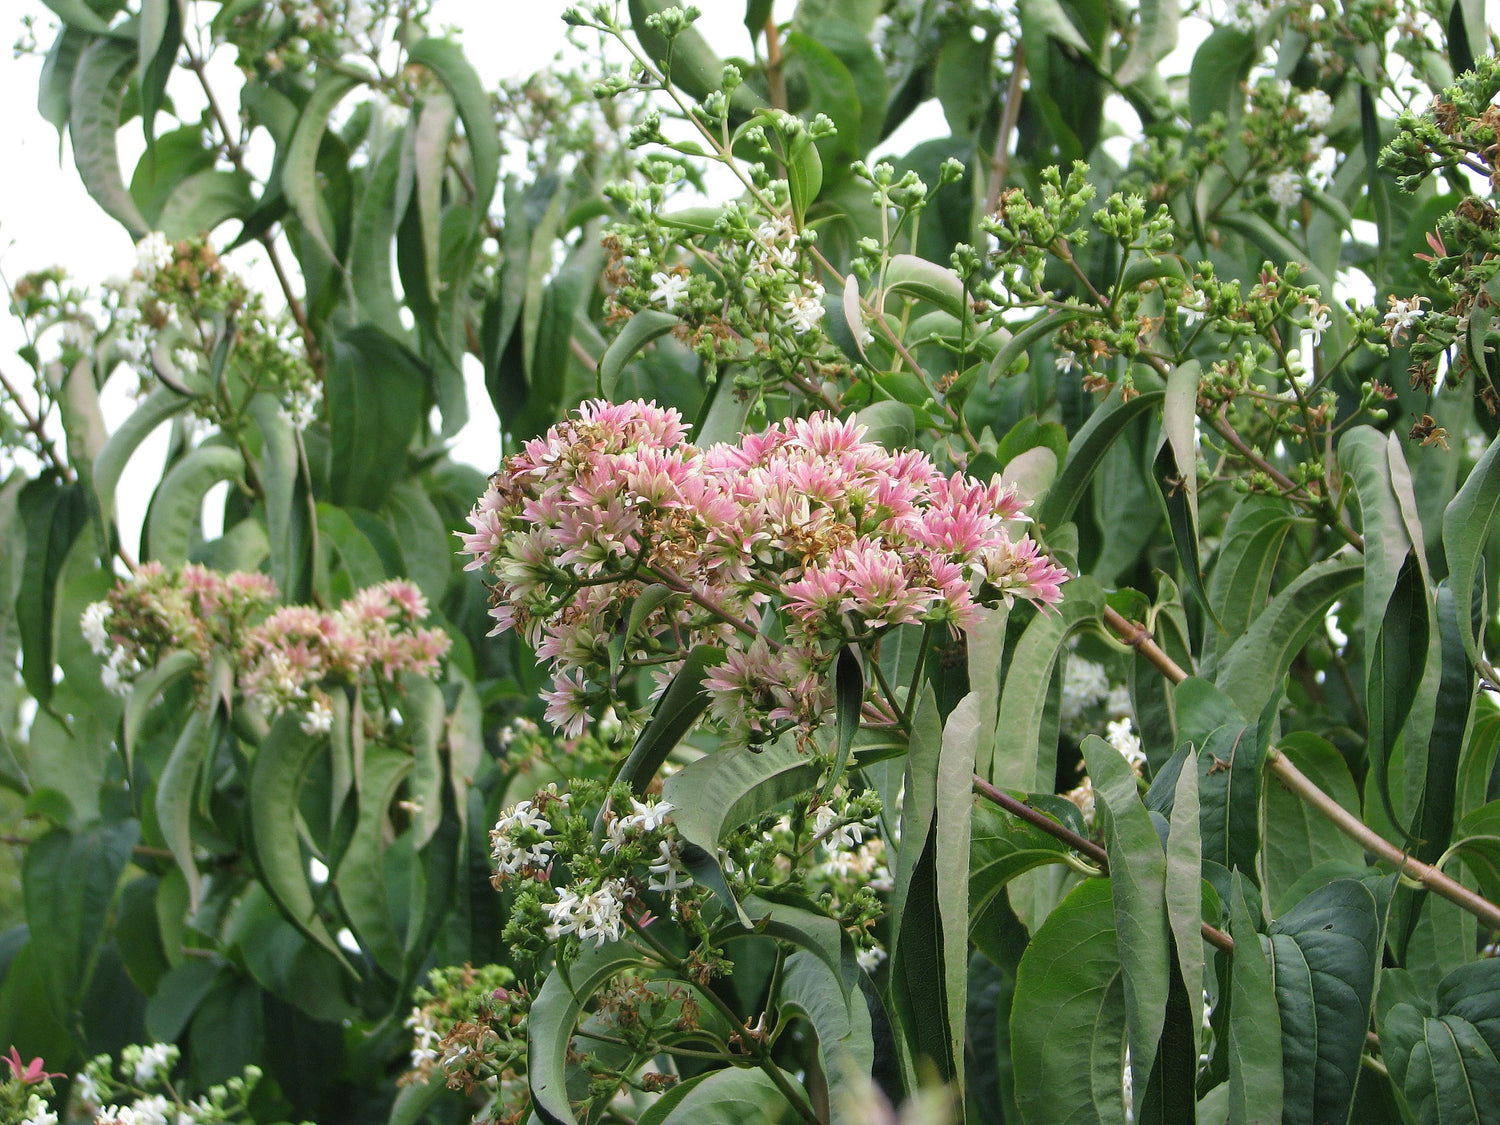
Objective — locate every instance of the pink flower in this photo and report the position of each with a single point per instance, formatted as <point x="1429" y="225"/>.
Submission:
<point x="30" y="1073"/>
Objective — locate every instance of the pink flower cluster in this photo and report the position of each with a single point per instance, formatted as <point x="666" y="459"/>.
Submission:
<point x="282" y="659"/>
<point x="377" y="631"/>
<point x="837" y="537"/>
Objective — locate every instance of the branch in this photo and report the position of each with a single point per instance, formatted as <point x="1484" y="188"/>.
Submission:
<point x="1137" y="637"/>
<point x="1349" y="824"/>
<point x="34" y="424"/>
<point x="1000" y="164"/>
<point x="1211" y="934"/>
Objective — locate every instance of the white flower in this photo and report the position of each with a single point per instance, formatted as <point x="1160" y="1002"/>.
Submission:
<point x="1084" y="684"/>
<point x="153" y="1062"/>
<point x="153" y="1110"/>
<point x="153" y="253"/>
<point x="38" y="1112"/>
<point x="1316" y="108"/>
<point x="301" y="409"/>
<point x="118" y="672"/>
<point x="668" y="873"/>
<point x="1083" y="797"/>
<point x="869" y="959"/>
<point x="564" y="920"/>
<point x="804" y="310"/>
<point x="91" y="623"/>
<point x="600" y="914"/>
<point x="1192" y="307"/>
<point x="1320" y="322"/>
<point x="1402" y="315"/>
<point x="649" y="817"/>
<point x="836" y="836"/>
<point x="1064" y="360"/>
<point x="670" y="288"/>
<point x="1117" y="703"/>
<point x="1284" y="188"/>
<point x="1120" y="735"/>
<point x="319" y="717"/>
<point x="86" y="1091"/>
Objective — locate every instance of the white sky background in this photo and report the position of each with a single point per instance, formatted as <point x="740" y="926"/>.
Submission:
<point x="48" y="219"/>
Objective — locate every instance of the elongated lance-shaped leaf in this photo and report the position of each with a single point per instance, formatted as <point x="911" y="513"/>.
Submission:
<point x="178" y="502"/>
<point x="1324" y="955"/>
<point x="1252" y="671"/>
<point x="1086" y="452"/>
<point x="1022" y="341"/>
<point x="1466" y="530"/>
<point x="1255" y="1082"/>
<point x="176" y="786"/>
<point x="447" y="60"/>
<point x="1240" y="583"/>
<point x="1138" y="882"/>
<point x="1444" y="1060"/>
<point x="1000" y="848"/>
<point x="299" y="164"/>
<point x="835" y="1007"/>
<point x="362" y="883"/>
<point x="1297" y="838"/>
<point x="376" y="388"/>
<point x="276" y="774"/>
<point x="159" y="406"/>
<point x="917" y="277"/>
<point x="733" y="1096"/>
<point x="849" y="695"/>
<point x="721" y="791"/>
<point x="54" y="515"/>
<point x="639" y="331"/>
<point x="286" y="511"/>
<point x="1452" y="712"/>
<point x="1397" y="659"/>
<point x="375" y="223"/>
<point x="1184" y="891"/>
<point x="1067" y="1021"/>
<point x="429" y="158"/>
<point x="554" y="1013"/>
<point x="96" y="97"/>
<point x="674" y="715"/>
<point x="144" y="691"/>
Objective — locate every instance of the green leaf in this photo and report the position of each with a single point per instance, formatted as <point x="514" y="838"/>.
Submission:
<point x="1476" y="839"/>
<point x="286" y="510"/>
<point x="145" y="690"/>
<point x="427" y="155"/>
<point x="732" y="1095"/>
<point x="204" y="200"/>
<point x="1000" y="848"/>
<point x="677" y="709"/>
<point x="69" y="881"/>
<point x="1452" y="710"/>
<point x="804" y="174"/>
<point x="160" y="405"/>
<point x="1022" y="340"/>
<point x="1246" y="560"/>
<point x="835" y="1006"/>
<point x="890" y="424"/>
<point x="549" y="1027"/>
<point x="177" y="506"/>
<point x="299" y="163"/>
<point x="1068" y="1019"/>
<point x="1137" y="879"/>
<point x="1466" y="529"/>
<point x="1109" y="420"/>
<point x="276" y="774"/>
<point x="718" y="792"/>
<point x="1155" y="38"/>
<point x="1184" y="892"/>
<point x="690" y="63"/>
<point x="362" y="885"/>
<point x="639" y="331"/>
<point x="1444" y="1062"/>
<point x="1324" y="955"/>
<point x="54" y="88"/>
<point x="95" y="99"/>
<point x="1251" y="672"/>
<point x="1296" y="837"/>
<point x="175" y="791"/>
<point x="1219" y="66"/>
<point x="447" y="60"/>
<point x="849" y="695"/>
<point x="927" y="281"/>
<point x="1255" y="1082"/>
<point x="376" y="393"/>
<point x="54" y="515"/>
<point x="77" y="13"/>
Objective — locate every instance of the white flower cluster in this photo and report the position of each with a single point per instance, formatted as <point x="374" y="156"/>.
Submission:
<point x="38" y="1112"/>
<point x="1403" y="314"/>
<point x="301" y="409"/>
<point x="1284" y="187"/>
<point x="425" y="1039"/>
<point x="599" y="914"/>
<point x="121" y="665"/>
<point x="512" y="857"/>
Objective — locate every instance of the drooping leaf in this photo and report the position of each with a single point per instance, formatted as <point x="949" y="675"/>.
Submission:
<point x="553" y="1016"/>
<point x="447" y="60"/>
<point x="299" y="163"/>
<point x="928" y="281"/>
<point x="1068" y="1018"/>
<point x="1255" y="1081"/>
<point x="1086" y="453"/>
<point x="1466" y="529"/>
<point x="639" y="331"/>
<point x="1324" y="954"/>
<point x="376" y="389"/>
<point x="835" y="1007"/>
<point x="69" y="880"/>
<point x="1252" y="670"/>
<point x="54" y="515"/>
<point x="178" y="503"/>
<point x="1000" y="848"/>
<point x="676" y="711"/>
<point x="361" y="879"/>
<point x="731" y="1095"/>
<point x="1297" y="838"/>
<point x="1137" y="879"/>
<point x="95" y="100"/>
<point x="175" y="791"/>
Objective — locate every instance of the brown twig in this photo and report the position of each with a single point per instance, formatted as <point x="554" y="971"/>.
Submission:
<point x="34" y="424"/>
<point x="1211" y="934"/>
<point x="775" y="78"/>
<point x="1000" y="163"/>
<point x="1137" y="637"/>
<point x="1356" y="829"/>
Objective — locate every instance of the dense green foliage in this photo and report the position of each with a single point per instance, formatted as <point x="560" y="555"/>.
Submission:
<point x="800" y="804"/>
